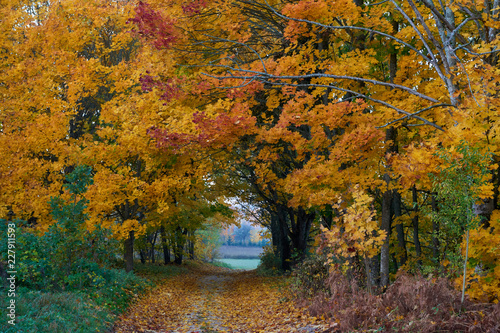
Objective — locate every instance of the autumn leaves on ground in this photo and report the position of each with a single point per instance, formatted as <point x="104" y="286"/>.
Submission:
<point x="214" y="299"/>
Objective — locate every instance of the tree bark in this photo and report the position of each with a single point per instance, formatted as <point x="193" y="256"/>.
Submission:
<point x="372" y="267"/>
<point x="301" y="222"/>
<point x="164" y="243"/>
<point x="396" y="206"/>
<point x="153" y="243"/>
<point x="191" y="246"/>
<point x="386" y="223"/>
<point x="386" y="226"/>
<point x="416" y="237"/>
<point x="129" y="252"/>
<point x="180" y="241"/>
<point x="282" y="244"/>
<point x="142" y="255"/>
<point x="435" y="232"/>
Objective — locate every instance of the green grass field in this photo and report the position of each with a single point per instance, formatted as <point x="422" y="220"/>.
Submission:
<point x="239" y="252"/>
<point x="246" y="264"/>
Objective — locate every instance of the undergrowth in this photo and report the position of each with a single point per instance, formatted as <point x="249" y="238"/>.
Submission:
<point x="84" y="310"/>
<point x="158" y="272"/>
<point x="56" y="312"/>
<point x="411" y="304"/>
<point x="65" y="280"/>
<point x="269" y="263"/>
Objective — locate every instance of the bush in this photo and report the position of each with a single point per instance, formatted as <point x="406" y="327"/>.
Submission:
<point x="88" y="310"/>
<point x="56" y="312"/>
<point x="269" y="262"/>
<point x="309" y="278"/>
<point x="118" y="289"/>
<point x="67" y="256"/>
<point x="411" y="304"/>
<point x="156" y="273"/>
<point x="67" y="265"/>
<point x="42" y="263"/>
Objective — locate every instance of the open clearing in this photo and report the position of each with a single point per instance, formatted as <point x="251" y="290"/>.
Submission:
<point x="246" y="264"/>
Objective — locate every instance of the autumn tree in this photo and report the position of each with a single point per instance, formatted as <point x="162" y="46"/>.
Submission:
<point x="312" y="98"/>
<point x="75" y="93"/>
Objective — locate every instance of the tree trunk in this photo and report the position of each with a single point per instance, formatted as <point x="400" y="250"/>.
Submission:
<point x="416" y="237"/>
<point x="153" y="243"/>
<point x="396" y="207"/>
<point x="280" y="237"/>
<point x="435" y="232"/>
<point x="178" y="257"/>
<point x="386" y="222"/>
<point x="372" y="267"/>
<point x="191" y="245"/>
<point x="301" y="222"/>
<point x="129" y="252"/>
<point x="386" y="226"/>
<point x="164" y="243"/>
<point x="142" y="255"/>
<point x="286" y="253"/>
<point x="180" y="241"/>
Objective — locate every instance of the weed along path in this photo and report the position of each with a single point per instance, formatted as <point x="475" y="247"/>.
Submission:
<point x="217" y="300"/>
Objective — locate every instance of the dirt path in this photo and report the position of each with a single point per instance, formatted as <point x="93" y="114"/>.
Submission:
<point x="217" y="301"/>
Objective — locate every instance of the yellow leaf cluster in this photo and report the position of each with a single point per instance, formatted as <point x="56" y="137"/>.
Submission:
<point x="357" y="232"/>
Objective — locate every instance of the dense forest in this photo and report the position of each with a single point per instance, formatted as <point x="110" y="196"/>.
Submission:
<point x="361" y="135"/>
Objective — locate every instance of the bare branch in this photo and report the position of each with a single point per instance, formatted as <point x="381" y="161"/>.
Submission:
<point x="440" y="16"/>
<point x="431" y="54"/>
<point x="414" y="114"/>
<point x="430" y="36"/>
<point x="406" y="113"/>
<point x="321" y="75"/>
<point x="345" y="27"/>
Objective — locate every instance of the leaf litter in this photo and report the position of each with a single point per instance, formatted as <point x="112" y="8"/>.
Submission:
<point x="213" y="299"/>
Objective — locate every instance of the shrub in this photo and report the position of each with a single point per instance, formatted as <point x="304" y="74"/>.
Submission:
<point x="309" y="278"/>
<point x="118" y="289"/>
<point x="269" y="262"/>
<point x="67" y="265"/>
<point x="66" y="256"/>
<point x="56" y="312"/>
<point x="411" y="304"/>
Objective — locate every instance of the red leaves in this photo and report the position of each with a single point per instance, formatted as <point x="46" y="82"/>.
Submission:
<point x="165" y="140"/>
<point x="223" y="129"/>
<point x="168" y="87"/>
<point x="153" y="26"/>
<point x="218" y="132"/>
<point x="193" y="7"/>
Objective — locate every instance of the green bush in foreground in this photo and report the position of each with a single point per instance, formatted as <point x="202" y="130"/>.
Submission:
<point x="63" y="278"/>
<point x="56" y="312"/>
<point x="269" y="263"/>
<point x="86" y="310"/>
<point x="67" y="256"/>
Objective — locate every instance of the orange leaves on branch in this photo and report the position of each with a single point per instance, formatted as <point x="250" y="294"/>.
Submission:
<point x="319" y="11"/>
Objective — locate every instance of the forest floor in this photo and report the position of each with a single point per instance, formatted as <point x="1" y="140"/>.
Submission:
<point x="213" y="299"/>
